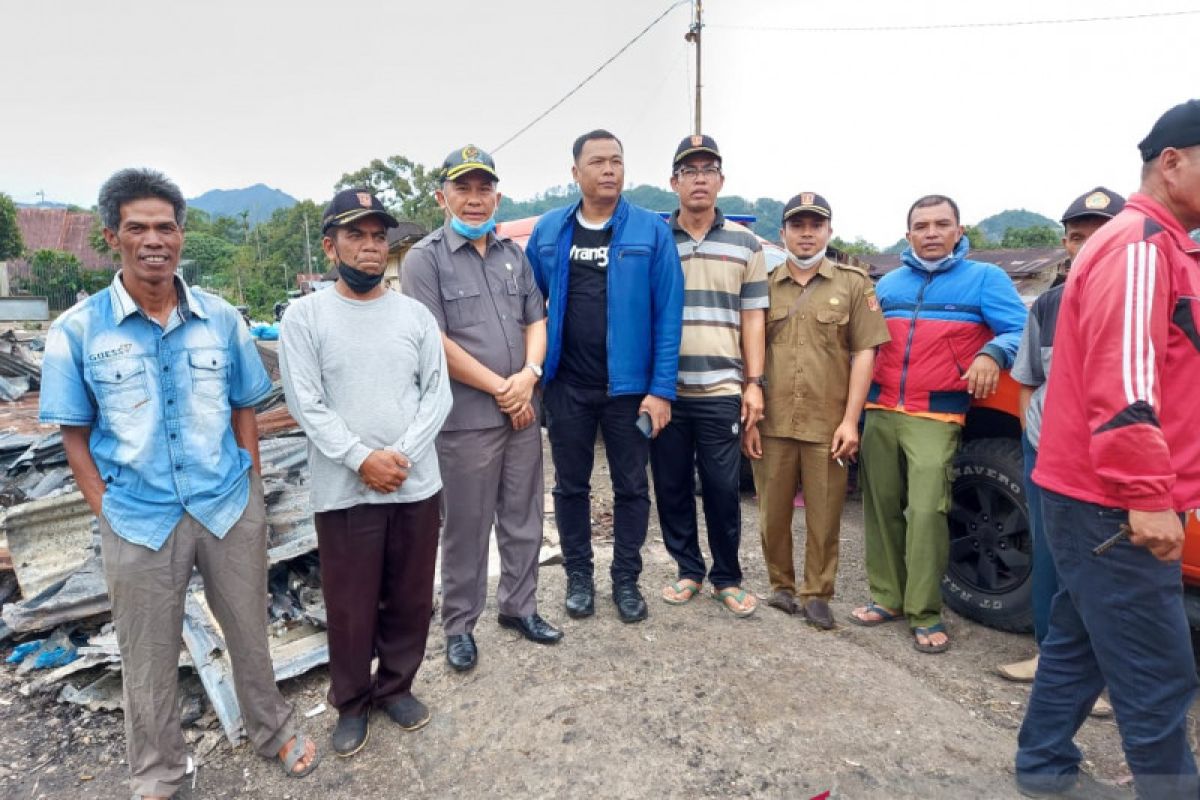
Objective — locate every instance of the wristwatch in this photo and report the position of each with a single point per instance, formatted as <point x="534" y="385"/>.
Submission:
<point x="757" y="380"/>
<point x="535" y="369"/>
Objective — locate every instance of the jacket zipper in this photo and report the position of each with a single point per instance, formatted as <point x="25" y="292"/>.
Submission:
<point x="912" y="329"/>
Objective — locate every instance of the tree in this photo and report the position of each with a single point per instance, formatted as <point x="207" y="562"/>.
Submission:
<point x="404" y="186"/>
<point x="1033" y="236"/>
<point x="977" y="238"/>
<point x="11" y="245"/>
<point x="859" y="247"/>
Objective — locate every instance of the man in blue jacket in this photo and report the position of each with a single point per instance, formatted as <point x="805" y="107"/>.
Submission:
<point x="955" y="324"/>
<point x="610" y="273"/>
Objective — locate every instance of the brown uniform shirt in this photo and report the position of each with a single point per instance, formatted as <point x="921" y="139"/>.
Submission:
<point x="808" y="353"/>
<point x="482" y="304"/>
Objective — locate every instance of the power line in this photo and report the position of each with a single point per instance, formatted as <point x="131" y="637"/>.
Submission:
<point x="956" y="25"/>
<point x="595" y="72"/>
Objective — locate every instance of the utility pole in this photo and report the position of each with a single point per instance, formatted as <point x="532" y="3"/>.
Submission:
<point x="693" y="36"/>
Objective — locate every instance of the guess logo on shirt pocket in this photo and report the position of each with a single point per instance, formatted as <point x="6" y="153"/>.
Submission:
<point x="120" y="384"/>
<point x="1186" y="317"/>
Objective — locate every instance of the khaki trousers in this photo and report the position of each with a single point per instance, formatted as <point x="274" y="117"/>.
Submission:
<point x="148" y="589"/>
<point x="788" y="464"/>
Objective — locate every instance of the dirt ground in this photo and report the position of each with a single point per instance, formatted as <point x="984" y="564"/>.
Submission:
<point x="690" y="703"/>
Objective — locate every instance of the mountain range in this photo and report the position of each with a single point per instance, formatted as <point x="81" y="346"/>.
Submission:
<point x="260" y="200"/>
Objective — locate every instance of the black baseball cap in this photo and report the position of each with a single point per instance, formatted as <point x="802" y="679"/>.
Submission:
<point x="467" y="159"/>
<point x="697" y="143"/>
<point x="1179" y="128"/>
<point x="1099" y="202"/>
<point x="349" y="205"/>
<point x="807" y="203"/>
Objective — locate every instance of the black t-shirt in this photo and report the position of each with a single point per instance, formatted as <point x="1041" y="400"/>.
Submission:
<point x="584" y="360"/>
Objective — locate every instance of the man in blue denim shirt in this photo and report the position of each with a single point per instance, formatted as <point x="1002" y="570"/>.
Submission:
<point x="154" y="385"/>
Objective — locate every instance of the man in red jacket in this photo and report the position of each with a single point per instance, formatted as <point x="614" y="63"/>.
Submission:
<point x="1119" y="455"/>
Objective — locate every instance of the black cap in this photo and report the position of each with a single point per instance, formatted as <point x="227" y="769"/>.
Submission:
<point x="807" y="203"/>
<point x="349" y="205"/>
<point x="1099" y="202"/>
<point x="697" y="143"/>
<point x="467" y="159"/>
<point x="1179" y="128"/>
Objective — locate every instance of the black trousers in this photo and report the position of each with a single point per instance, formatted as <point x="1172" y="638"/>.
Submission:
<point x="377" y="578"/>
<point x="706" y="432"/>
<point x="573" y="415"/>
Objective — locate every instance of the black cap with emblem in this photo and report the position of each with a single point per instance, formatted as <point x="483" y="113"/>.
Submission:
<point x="350" y="205"/>
<point x="468" y="159"/>
<point x="697" y="143"/>
<point x="807" y="203"/>
<point x="1178" y="128"/>
<point x="1099" y="202"/>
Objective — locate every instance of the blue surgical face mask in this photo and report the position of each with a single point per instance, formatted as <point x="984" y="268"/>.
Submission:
<point x="472" y="232"/>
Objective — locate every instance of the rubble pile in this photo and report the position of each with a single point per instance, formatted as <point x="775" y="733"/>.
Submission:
<point x="20" y="363"/>
<point x="55" y="603"/>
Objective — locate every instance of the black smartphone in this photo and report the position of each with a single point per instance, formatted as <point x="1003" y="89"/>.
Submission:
<point x="644" y="424"/>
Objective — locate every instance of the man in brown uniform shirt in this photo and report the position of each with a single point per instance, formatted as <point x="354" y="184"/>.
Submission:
<point x="823" y="325"/>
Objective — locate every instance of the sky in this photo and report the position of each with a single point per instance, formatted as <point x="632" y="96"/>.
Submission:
<point x="295" y="93"/>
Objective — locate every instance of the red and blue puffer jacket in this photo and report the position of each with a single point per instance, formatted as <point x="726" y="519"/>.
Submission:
<point x="940" y="320"/>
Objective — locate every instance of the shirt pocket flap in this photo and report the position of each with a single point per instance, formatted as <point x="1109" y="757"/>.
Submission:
<point x="459" y="292"/>
<point x="776" y="313"/>
<point x="215" y="360"/>
<point x="117" y="371"/>
<point x="828" y="315"/>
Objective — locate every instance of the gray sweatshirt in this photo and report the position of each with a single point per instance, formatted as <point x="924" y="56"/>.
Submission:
<point x="362" y="376"/>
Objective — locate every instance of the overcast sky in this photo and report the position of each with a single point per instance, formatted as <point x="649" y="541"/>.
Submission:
<point x="293" y="94"/>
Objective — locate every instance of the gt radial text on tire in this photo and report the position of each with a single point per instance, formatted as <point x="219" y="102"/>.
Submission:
<point x="988" y="578"/>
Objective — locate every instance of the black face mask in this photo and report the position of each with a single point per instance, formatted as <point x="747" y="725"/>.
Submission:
<point x="356" y="280"/>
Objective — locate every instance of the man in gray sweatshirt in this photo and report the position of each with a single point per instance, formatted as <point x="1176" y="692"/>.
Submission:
<point x="365" y="376"/>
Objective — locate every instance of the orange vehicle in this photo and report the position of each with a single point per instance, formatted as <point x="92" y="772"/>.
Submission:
<point x="988" y="578"/>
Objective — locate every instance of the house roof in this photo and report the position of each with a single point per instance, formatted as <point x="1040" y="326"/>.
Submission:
<point x="1018" y="263"/>
<point x="59" y="229"/>
<point x="405" y="234"/>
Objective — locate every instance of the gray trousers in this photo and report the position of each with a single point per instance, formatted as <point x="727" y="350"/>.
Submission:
<point x="147" y="589"/>
<point x="490" y="475"/>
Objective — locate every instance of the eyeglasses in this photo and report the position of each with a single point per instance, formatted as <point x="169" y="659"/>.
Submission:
<point x="691" y="173"/>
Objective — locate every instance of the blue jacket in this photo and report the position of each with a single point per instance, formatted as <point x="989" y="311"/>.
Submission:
<point x="645" y="296"/>
<point x="939" y="321"/>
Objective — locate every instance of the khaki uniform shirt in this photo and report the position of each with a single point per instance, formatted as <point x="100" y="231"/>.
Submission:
<point x="482" y="304"/>
<point x="808" y="352"/>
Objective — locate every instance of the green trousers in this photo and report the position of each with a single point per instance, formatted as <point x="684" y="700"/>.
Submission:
<point x="905" y="473"/>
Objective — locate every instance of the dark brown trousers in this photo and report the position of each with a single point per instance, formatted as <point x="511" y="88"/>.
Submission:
<point x="377" y="576"/>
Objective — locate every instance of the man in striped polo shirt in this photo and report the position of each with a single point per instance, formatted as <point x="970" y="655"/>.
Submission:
<point x="722" y="351"/>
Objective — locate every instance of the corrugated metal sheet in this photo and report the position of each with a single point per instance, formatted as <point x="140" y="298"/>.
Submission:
<point x="48" y="539"/>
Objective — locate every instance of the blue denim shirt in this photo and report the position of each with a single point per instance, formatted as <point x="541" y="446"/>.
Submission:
<point x="158" y="402"/>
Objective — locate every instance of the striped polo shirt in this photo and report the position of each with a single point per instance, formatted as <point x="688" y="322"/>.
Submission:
<point x="725" y="273"/>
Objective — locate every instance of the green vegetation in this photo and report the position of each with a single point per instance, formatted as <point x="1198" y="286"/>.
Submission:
<point x="402" y="185"/>
<point x="58" y="276"/>
<point x="11" y="245"/>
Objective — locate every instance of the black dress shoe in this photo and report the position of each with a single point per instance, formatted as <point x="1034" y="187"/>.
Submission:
<point x="532" y="627"/>
<point x="631" y="606"/>
<point x="581" y="595"/>
<point x="408" y="712"/>
<point x="350" y="734"/>
<point x="461" y="651"/>
<point x="817" y="614"/>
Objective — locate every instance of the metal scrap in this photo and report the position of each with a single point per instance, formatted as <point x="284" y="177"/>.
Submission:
<point x="48" y="539"/>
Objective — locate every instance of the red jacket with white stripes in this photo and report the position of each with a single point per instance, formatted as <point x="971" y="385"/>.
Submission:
<point x="1122" y="417"/>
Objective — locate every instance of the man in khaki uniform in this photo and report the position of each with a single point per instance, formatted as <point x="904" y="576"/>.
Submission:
<point x="823" y="325"/>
